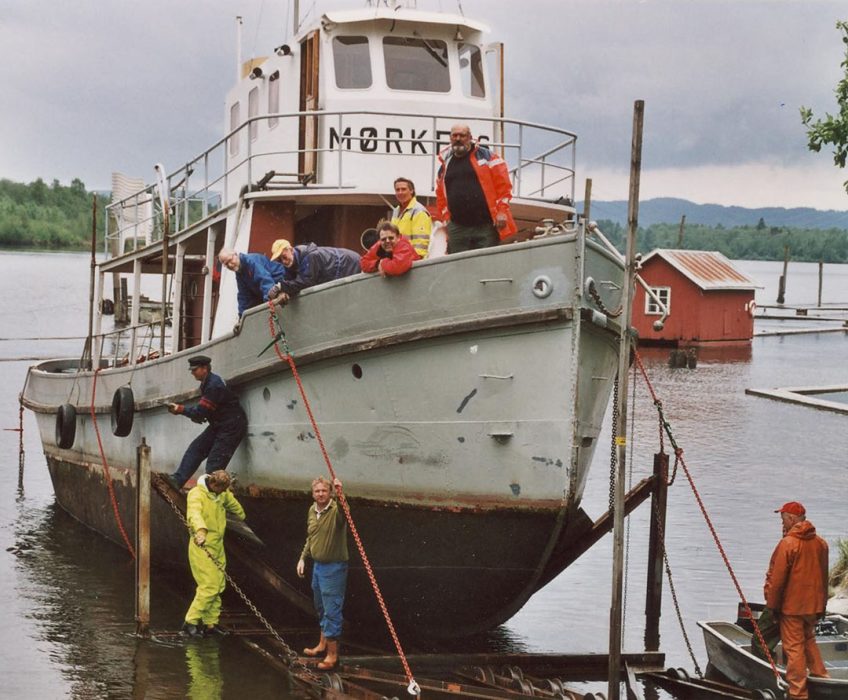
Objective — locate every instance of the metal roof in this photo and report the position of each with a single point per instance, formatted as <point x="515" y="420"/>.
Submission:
<point x="708" y="269"/>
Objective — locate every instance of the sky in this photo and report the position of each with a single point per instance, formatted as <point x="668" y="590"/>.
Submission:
<point x="93" y="86"/>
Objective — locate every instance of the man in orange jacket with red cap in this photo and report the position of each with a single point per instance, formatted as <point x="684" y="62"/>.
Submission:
<point x="796" y="591"/>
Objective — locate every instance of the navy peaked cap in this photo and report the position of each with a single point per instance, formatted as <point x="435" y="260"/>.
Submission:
<point x="199" y="361"/>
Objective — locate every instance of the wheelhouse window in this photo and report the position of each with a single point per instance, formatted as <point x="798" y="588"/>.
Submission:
<point x="651" y="306"/>
<point x="471" y="70"/>
<point x="416" y="64"/>
<point x="235" y="120"/>
<point x="273" y="98"/>
<point x="253" y="111"/>
<point x="352" y="62"/>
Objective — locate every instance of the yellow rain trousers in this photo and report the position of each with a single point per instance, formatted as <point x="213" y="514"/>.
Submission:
<point x="208" y="510"/>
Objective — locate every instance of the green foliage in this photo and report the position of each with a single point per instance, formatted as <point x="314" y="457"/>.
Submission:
<point x="839" y="573"/>
<point x="36" y="215"/>
<point x="740" y="242"/>
<point x="832" y="130"/>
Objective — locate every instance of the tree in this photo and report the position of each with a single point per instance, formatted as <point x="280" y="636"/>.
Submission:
<point x="832" y="130"/>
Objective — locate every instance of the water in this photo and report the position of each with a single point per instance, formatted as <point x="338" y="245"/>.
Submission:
<point x="66" y="622"/>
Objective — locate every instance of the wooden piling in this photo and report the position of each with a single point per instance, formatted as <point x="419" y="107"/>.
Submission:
<point x="656" y="547"/>
<point x="821" y="277"/>
<point x="142" y="540"/>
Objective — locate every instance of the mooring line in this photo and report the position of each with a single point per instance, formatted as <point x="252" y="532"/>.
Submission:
<point x="109" y="484"/>
<point x="413" y="687"/>
<point x="678" y="452"/>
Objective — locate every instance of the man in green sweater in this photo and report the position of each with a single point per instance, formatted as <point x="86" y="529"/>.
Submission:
<point x="326" y="545"/>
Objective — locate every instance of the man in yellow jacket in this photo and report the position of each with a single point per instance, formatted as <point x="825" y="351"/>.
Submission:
<point x="207" y="506"/>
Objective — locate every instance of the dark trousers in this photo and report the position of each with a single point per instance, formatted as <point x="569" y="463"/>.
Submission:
<point x="216" y="445"/>
<point x="461" y="237"/>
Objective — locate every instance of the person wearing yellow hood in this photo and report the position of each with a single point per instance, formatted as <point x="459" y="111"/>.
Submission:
<point x="207" y="506"/>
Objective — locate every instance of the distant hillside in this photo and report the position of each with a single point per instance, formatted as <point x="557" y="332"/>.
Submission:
<point x="668" y="210"/>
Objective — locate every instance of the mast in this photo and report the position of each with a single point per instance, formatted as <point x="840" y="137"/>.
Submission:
<point x="621" y="427"/>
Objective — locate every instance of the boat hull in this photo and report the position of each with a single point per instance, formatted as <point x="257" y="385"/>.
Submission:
<point x="459" y="405"/>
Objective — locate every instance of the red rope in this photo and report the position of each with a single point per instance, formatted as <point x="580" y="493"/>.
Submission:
<point x="678" y="452"/>
<point x="106" y="468"/>
<point x="290" y="360"/>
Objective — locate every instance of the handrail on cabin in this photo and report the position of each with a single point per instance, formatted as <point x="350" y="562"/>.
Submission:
<point x="134" y="222"/>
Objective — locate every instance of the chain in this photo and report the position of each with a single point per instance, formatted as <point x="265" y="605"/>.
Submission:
<point x="593" y="292"/>
<point x="632" y="441"/>
<point x="678" y="453"/>
<point x="613" y="447"/>
<point x="661" y="538"/>
<point x="290" y="655"/>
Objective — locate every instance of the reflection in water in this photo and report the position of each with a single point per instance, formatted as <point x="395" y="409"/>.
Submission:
<point x="204" y="669"/>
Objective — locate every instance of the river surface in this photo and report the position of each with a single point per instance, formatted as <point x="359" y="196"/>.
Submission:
<point x="66" y="622"/>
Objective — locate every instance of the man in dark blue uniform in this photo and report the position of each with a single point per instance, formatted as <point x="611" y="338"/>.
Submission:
<point x="220" y="407"/>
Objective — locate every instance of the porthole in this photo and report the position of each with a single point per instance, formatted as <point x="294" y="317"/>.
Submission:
<point x="357" y="371"/>
<point x="266" y="394"/>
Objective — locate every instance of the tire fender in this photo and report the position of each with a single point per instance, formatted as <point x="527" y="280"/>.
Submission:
<point x="123" y="411"/>
<point x="66" y="426"/>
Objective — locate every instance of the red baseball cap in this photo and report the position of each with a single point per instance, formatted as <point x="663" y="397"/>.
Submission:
<point x="793" y="508"/>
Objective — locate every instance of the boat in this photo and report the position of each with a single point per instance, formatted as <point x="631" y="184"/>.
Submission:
<point x="729" y="651"/>
<point x="460" y="404"/>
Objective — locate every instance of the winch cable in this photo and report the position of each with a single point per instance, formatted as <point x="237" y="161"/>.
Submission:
<point x="279" y="336"/>
<point x="291" y="658"/>
<point x="678" y="455"/>
<point x="109" y="484"/>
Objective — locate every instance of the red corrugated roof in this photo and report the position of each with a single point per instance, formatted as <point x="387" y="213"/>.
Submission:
<point x="708" y="269"/>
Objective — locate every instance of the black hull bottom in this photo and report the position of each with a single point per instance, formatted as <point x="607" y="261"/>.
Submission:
<point x="443" y="573"/>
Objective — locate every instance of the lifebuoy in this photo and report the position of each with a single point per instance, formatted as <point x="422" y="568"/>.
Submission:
<point x="66" y="425"/>
<point x="751" y="307"/>
<point x="123" y="410"/>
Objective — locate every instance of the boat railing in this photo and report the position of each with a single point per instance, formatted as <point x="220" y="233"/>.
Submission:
<point x="130" y="344"/>
<point x="541" y="161"/>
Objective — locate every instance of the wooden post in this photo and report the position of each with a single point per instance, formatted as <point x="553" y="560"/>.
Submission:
<point x="680" y="231"/>
<point x="821" y="277"/>
<point x="616" y="603"/>
<point x="781" y="288"/>
<point x="587" y="200"/>
<point x="142" y="541"/>
<point x="656" y="548"/>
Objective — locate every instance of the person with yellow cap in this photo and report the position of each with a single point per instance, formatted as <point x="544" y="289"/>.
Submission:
<point x="796" y="593"/>
<point x="309" y="264"/>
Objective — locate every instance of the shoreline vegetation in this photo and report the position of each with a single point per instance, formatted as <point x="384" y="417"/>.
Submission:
<point x="38" y="216"/>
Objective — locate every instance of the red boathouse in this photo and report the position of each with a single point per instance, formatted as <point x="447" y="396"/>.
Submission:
<point x="709" y="301"/>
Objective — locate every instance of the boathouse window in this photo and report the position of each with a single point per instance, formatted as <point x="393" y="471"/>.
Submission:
<point x="253" y="111"/>
<point x="352" y="62"/>
<point x="416" y="64"/>
<point x="654" y="309"/>
<point x="273" y="98"/>
<point x="235" y="120"/>
<point x="471" y="70"/>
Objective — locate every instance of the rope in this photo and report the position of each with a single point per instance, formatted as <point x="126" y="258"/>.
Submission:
<point x="106" y="468"/>
<point x="413" y="687"/>
<point x="678" y="452"/>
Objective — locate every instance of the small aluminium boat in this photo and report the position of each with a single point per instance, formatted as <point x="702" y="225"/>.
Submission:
<point x="729" y="650"/>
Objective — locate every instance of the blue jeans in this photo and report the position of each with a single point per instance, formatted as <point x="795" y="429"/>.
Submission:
<point x="329" y="580"/>
<point x="216" y="444"/>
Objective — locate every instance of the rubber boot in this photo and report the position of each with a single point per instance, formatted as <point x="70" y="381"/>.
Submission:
<point x="318" y="649"/>
<point x="331" y="660"/>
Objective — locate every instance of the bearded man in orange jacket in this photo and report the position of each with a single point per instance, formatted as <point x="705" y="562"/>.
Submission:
<point x="796" y="591"/>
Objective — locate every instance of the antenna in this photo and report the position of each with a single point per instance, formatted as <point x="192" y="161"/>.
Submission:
<point x="239" y="22"/>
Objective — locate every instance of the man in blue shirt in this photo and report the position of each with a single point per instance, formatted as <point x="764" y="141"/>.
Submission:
<point x="220" y="407"/>
<point x="255" y="275"/>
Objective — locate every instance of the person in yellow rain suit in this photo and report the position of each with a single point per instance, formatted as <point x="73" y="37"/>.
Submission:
<point x="207" y="506"/>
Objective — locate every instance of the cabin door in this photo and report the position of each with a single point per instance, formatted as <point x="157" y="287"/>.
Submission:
<point x="308" y="136"/>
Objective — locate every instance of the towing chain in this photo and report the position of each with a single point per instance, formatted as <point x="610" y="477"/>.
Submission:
<point x="613" y="447"/>
<point x="291" y="657"/>
<point x="661" y="539"/>
<point x="593" y="292"/>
